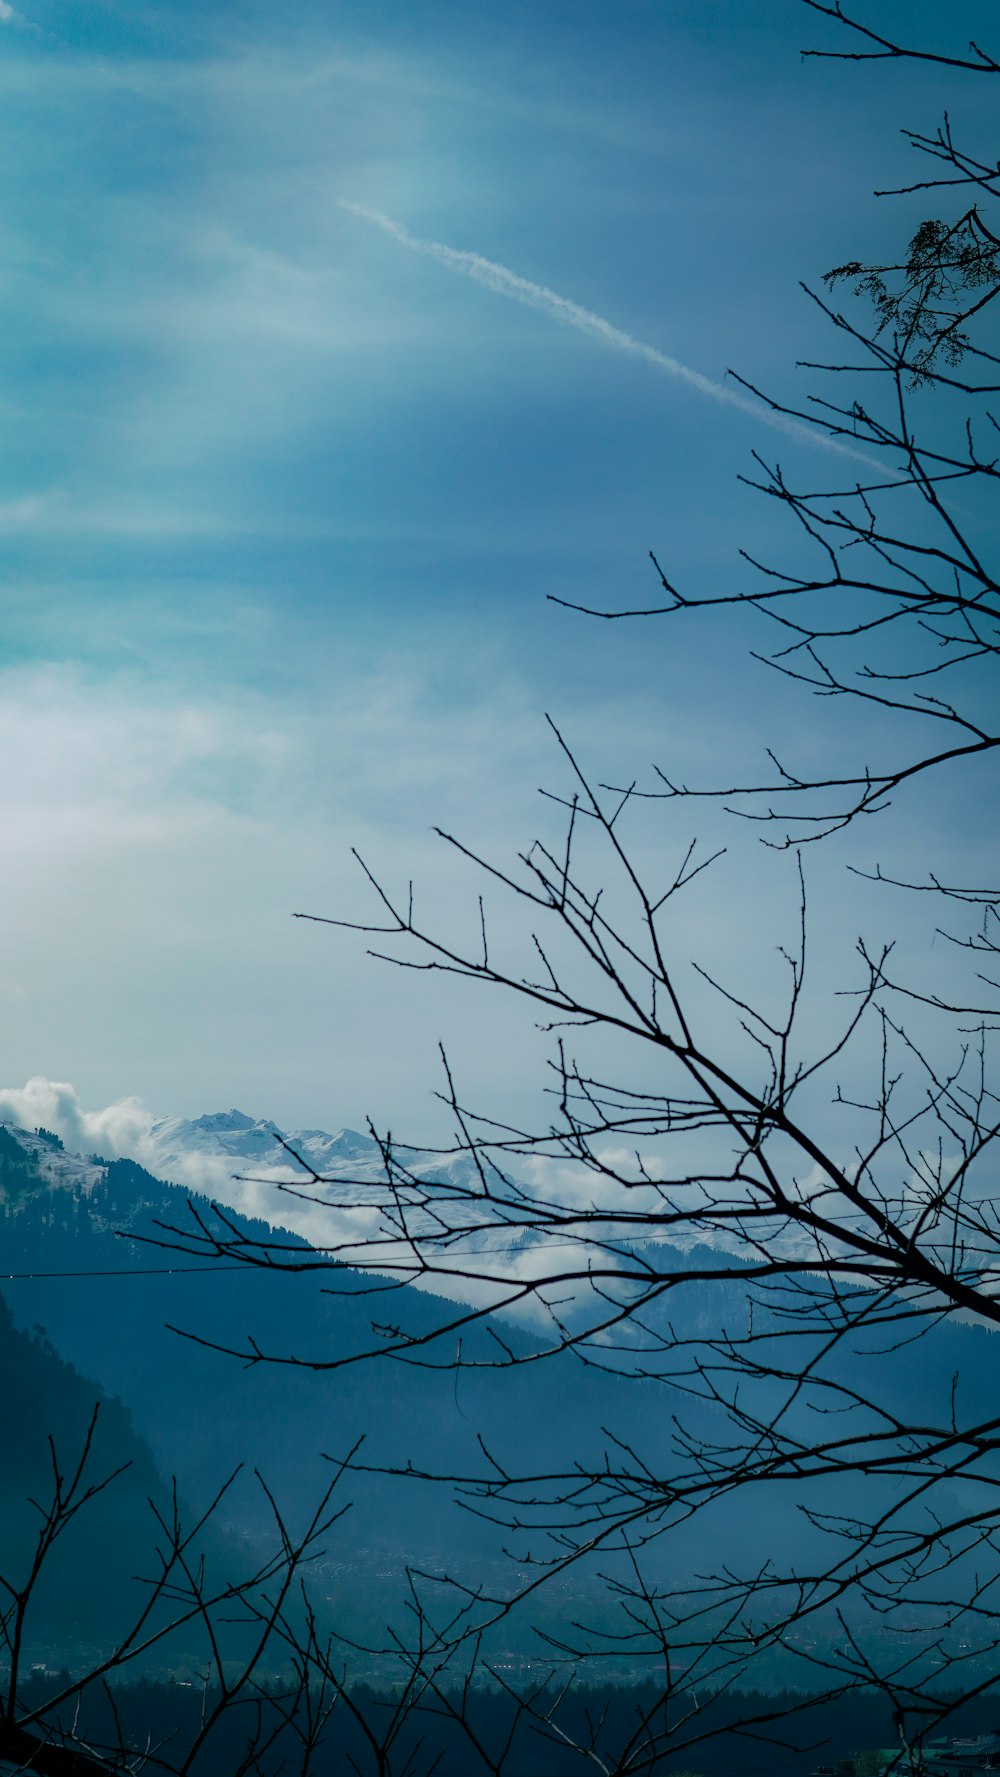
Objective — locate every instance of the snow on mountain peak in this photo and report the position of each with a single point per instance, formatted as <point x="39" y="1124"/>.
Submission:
<point x="207" y="1151"/>
<point x="217" y="1121"/>
<point x="54" y="1165"/>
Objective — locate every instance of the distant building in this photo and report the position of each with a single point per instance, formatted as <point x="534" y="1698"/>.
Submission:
<point x="963" y="1758"/>
<point x="968" y="1757"/>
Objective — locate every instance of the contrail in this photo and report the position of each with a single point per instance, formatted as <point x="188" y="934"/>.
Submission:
<point x="504" y="282"/>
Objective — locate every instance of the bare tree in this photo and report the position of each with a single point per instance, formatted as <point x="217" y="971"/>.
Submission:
<point x="836" y="1157"/>
<point x="245" y="1626"/>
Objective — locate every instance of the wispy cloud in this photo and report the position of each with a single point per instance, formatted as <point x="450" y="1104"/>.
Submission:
<point x="504" y="282"/>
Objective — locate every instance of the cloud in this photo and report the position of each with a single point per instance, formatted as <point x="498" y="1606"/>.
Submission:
<point x="114" y="1132"/>
<point x="504" y="282"/>
<point x="158" y="839"/>
<point x="7" y="13"/>
<point x="122" y="1131"/>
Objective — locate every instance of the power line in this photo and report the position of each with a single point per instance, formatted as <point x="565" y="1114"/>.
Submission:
<point x="147" y="1271"/>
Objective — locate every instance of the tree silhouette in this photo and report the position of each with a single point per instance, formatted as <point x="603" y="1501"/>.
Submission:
<point x="828" y="1156"/>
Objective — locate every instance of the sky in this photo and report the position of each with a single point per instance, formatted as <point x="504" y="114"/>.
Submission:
<point x="334" y="339"/>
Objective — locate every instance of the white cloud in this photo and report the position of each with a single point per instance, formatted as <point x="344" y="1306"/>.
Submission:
<point x="7" y="13"/>
<point x="158" y="841"/>
<point x="114" y="1132"/>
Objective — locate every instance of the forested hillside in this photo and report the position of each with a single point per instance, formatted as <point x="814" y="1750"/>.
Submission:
<point x="84" y="1266"/>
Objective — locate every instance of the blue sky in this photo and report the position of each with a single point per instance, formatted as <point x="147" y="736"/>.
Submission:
<point x="281" y="499"/>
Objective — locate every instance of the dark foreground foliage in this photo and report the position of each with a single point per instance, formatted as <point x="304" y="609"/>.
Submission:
<point x="456" y="1736"/>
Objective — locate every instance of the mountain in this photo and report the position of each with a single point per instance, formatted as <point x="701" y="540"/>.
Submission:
<point x="233" y="1136"/>
<point x="260" y="1169"/>
<point x="35" y="1160"/>
<point x="87" y="1590"/>
<point x="73" y="1236"/>
<point x="82" y="1257"/>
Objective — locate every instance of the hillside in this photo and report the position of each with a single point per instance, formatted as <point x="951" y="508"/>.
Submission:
<point x="75" y="1234"/>
<point x="94" y="1583"/>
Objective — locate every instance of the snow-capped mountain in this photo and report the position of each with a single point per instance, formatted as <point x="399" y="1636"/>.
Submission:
<point x="329" y="1189"/>
<point x="257" y="1144"/>
<point x="34" y="1159"/>
<point x="258" y="1167"/>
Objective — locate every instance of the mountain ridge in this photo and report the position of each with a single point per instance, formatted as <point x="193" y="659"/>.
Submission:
<point x="82" y="1262"/>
